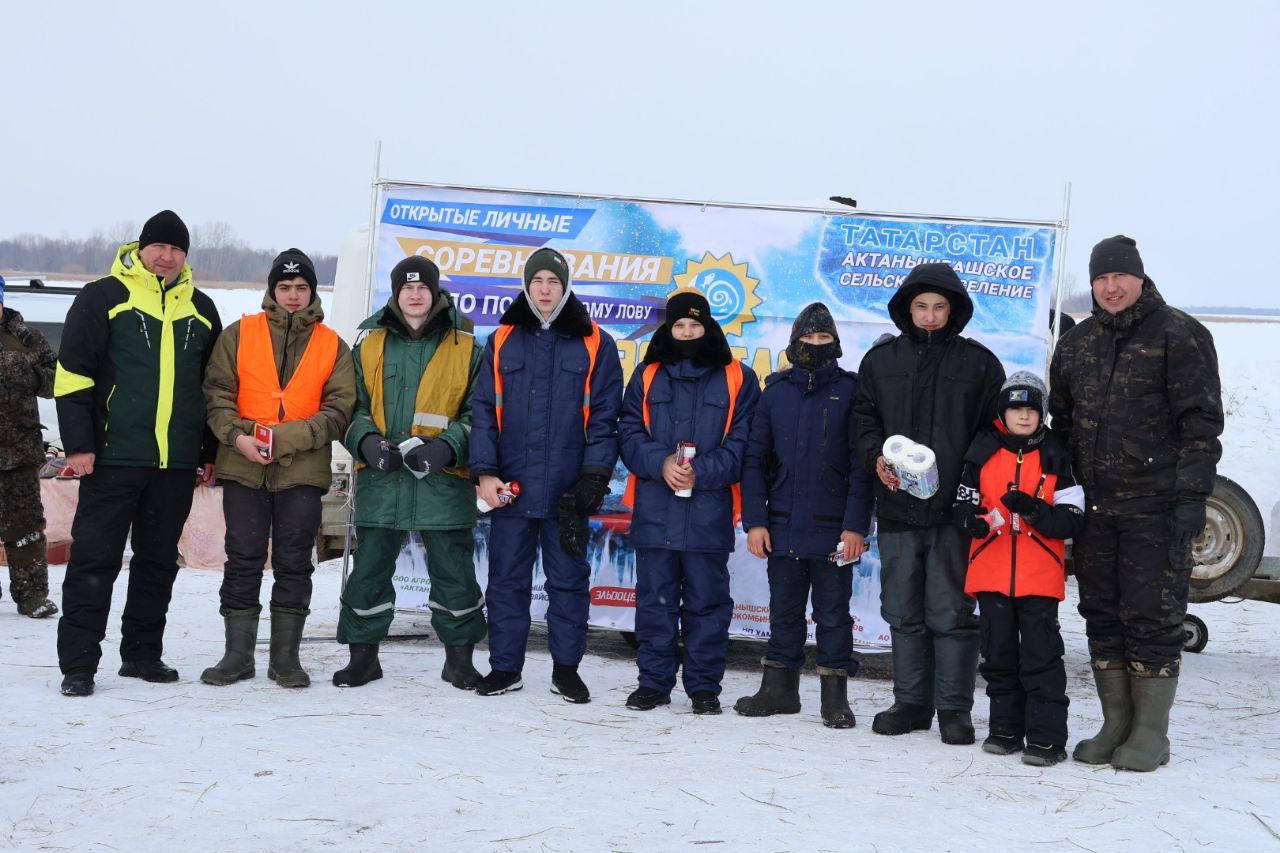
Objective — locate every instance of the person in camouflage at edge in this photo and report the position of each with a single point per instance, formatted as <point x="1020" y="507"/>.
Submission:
<point x="1136" y="394"/>
<point x="27" y="367"/>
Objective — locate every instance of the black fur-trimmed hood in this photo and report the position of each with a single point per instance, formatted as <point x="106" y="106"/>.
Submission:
<point x="713" y="352"/>
<point x="573" y="319"/>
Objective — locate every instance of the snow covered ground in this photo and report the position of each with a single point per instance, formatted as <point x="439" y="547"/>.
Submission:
<point x="409" y="762"/>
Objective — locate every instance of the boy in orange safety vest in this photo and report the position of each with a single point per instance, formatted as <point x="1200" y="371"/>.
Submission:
<point x="1019" y="502"/>
<point x="284" y="370"/>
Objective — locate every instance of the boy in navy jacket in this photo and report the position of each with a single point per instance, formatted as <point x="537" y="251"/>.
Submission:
<point x="804" y="496"/>
<point x="690" y="389"/>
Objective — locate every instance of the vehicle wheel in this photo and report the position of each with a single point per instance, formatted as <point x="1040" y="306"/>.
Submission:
<point x="1196" y="634"/>
<point x="1230" y="549"/>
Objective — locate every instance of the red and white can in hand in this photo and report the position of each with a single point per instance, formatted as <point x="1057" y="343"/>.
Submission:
<point x="685" y="451"/>
<point x="507" y="492"/>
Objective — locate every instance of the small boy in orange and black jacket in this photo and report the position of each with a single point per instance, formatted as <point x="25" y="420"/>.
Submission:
<point x="1019" y="501"/>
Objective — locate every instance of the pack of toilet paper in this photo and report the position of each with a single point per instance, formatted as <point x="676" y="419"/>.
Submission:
<point x="913" y="464"/>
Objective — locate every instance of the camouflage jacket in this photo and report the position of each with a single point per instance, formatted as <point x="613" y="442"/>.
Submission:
<point x="27" y="367"/>
<point x="1138" y="400"/>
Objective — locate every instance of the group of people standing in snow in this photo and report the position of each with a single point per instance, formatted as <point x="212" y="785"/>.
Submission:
<point x="149" y="387"/>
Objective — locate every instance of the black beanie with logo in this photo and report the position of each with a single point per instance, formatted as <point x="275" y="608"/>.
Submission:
<point x="418" y="269"/>
<point x="291" y="263"/>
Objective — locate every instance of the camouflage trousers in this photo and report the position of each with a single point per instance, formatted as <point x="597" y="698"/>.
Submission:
<point x="22" y="531"/>
<point x="1133" y="592"/>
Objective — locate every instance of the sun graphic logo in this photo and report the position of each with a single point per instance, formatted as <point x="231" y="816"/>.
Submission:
<point x="730" y="291"/>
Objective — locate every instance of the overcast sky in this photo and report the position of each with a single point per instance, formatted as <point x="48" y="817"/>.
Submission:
<point x="1163" y="116"/>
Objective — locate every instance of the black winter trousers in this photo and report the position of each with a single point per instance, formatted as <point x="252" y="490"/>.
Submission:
<point x="288" y="519"/>
<point x="154" y="503"/>
<point x="1133" y="592"/>
<point x="1022" y="665"/>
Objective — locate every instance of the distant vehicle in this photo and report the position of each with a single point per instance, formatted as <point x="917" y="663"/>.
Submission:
<point x="43" y="306"/>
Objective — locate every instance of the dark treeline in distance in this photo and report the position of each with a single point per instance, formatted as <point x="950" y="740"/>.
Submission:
<point x="216" y="254"/>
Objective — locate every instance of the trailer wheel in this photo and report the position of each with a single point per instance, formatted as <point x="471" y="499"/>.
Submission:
<point x="1230" y="549"/>
<point x="1196" y="634"/>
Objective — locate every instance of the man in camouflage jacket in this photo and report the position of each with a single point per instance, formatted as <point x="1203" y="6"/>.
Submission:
<point x="27" y="366"/>
<point x="1136" y="394"/>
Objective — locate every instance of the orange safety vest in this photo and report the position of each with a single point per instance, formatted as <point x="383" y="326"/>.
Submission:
<point x="733" y="378"/>
<point x="260" y="397"/>
<point x="592" y="342"/>
<point x="1015" y="564"/>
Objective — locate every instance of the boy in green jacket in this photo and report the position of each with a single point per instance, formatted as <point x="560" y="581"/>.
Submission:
<point x="414" y="375"/>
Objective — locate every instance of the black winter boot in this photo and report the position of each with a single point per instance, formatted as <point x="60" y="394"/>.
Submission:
<point x="567" y="683"/>
<point x="779" y="692"/>
<point x="956" y="727"/>
<point x="998" y="744"/>
<point x="77" y="684"/>
<point x="284" y="667"/>
<point x="705" y="702"/>
<point x="1117" y="717"/>
<point x="237" y="660"/>
<point x="458" y="668"/>
<point x="498" y="682"/>
<point x="646" y="699"/>
<point x="363" y="668"/>
<point x="1042" y="755"/>
<point x="156" y="671"/>
<point x="902" y="718"/>
<point x="1148" y="745"/>
<point x="836" y="713"/>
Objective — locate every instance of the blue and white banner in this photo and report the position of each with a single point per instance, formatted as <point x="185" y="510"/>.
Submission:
<point x="758" y="267"/>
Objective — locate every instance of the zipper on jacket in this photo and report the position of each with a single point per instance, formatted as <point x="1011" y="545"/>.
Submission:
<point x="1013" y="544"/>
<point x="284" y="350"/>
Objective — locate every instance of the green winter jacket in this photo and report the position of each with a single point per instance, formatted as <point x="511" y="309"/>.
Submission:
<point x="302" y="450"/>
<point x="131" y="366"/>
<point x="396" y="499"/>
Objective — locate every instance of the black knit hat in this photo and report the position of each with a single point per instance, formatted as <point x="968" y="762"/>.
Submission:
<point x="815" y="317"/>
<point x="546" y="259"/>
<point x="291" y="263"/>
<point x="1116" y="254"/>
<point x="690" y="304"/>
<point x="415" y="268"/>
<point x="165" y="227"/>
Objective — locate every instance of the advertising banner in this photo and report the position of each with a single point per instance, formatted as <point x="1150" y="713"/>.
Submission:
<point x="758" y="266"/>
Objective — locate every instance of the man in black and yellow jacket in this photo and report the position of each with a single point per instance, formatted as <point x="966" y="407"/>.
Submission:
<point x="132" y="417"/>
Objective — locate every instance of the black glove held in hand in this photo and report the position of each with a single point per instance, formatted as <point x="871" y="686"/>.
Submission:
<point x="1188" y="522"/>
<point x="975" y="525"/>
<point x="380" y="453"/>
<point x="1025" y="505"/>
<point x="574" y="532"/>
<point x="588" y="493"/>
<point x="435" y="455"/>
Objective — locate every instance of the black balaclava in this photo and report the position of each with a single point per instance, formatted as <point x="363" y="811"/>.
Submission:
<point x="692" y="305"/>
<point x="815" y="317"/>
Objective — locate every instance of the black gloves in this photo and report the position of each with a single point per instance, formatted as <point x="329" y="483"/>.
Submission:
<point x="435" y="455"/>
<point x="1188" y="522"/>
<point x="1025" y="505"/>
<point x="974" y="524"/>
<point x="380" y="453"/>
<point x="588" y="493"/>
<point x="574" y="532"/>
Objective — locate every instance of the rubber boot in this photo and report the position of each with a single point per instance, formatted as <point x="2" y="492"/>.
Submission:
<point x="779" y="693"/>
<point x="1148" y="745"/>
<point x="1117" y="716"/>
<point x="237" y="660"/>
<point x="363" y="668"/>
<point x="836" y="713"/>
<point x="458" y="669"/>
<point x="284" y="667"/>
<point x="901" y="718"/>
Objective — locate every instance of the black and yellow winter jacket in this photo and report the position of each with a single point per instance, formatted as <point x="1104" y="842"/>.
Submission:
<point x="130" y="369"/>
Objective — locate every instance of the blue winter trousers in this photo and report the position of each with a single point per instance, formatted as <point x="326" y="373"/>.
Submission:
<point x="682" y="593"/>
<point x="790" y="582"/>
<point x="514" y="543"/>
